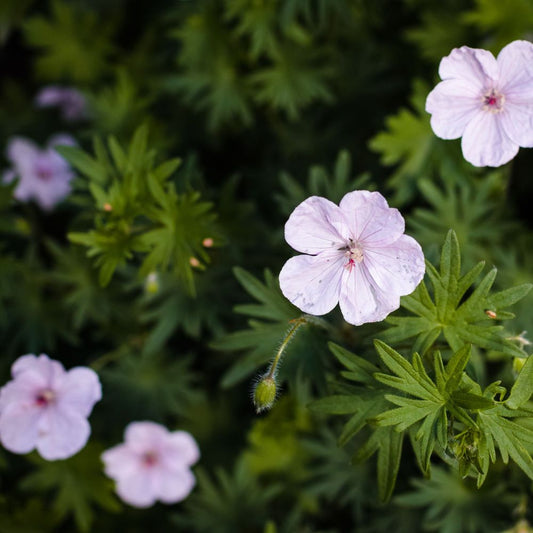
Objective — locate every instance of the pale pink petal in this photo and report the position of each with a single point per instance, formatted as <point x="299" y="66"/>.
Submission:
<point x="22" y="154"/>
<point x="49" y="96"/>
<point x="19" y="427"/>
<point x="39" y="369"/>
<point x="312" y="283"/>
<point x="174" y="486"/>
<point x="370" y="219"/>
<point x="485" y="142"/>
<point x="120" y="461"/>
<point x="515" y="63"/>
<point x="452" y="104"/>
<point x="315" y="225"/>
<point x="80" y="390"/>
<point x="398" y="268"/>
<point x="61" y="139"/>
<point x="361" y="301"/>
<point x="475" y="66"/>
<point x="145" y="436"/>
<point x="517" y="122"/>
<point x="138" y="489"/>
<point x="22" y="391"/>
<point x="180" y="449"/>
<point x="61" y="433"/>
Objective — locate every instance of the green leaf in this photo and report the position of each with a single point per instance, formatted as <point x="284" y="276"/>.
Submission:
<point x="449" y="314"/>
<point x="78" y="483"/>
<point x="523" y="386"/>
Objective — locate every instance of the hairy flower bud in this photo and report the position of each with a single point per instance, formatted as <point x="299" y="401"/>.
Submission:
<point x="264" y="393"/>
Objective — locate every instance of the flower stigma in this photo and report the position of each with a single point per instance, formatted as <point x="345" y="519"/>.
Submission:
<point x="354" y="253"/>
<point x="45" y="397"/>
<point x="149" y="459"/>
<point x="493" y="101"/>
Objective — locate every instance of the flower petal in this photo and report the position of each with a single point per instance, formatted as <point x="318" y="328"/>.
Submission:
<point x="39" y="370"/>
<point x="398" y="268"/>
<point x="19" y="427"/>
<point x="22" y="154"/>
<point x="453" y="104"/>
<point x="361" y="301"/>
<point x="180" y="449"/>
<point x="120" y="461"/>
<point x="485" y="142"/>
<point x="312" y="283"/>
<point x="174" y="486"/>
<point x="80" y="390"/>
<point x="475" y="66"/>
<point x="138" y="489"/>
<point x="315" y="225"/>
<point x="62" y="433"/>
<point x="370" y="219"/>
<point x="145" y="436"/>
<point x="515" y="63"/>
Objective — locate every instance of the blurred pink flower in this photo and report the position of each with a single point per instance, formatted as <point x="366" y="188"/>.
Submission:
<point x="46" y="407"/>
<point x="152" y="464"/>
<point x="44" y="176"/>
<point x="358" y="257"/>
<point x="71" y="102"/>
<point x="486" y="101"/>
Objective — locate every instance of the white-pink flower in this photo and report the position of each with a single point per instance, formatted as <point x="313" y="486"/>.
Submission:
<point x="358" y="257"/>
<point x="46" y="408"/>
<point x="152" y="464"/>
<point x="486" y="101"/>
<point x="71" y="102"/>
<point x="44" y="176"/>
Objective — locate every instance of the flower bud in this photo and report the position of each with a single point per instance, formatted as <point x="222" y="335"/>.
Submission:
<point x="151" y="284"/>
<point x="264" y="393"/>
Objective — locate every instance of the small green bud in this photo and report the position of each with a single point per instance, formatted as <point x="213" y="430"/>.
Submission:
<point x="151" y="284"/>
<point x="264" y="393"/>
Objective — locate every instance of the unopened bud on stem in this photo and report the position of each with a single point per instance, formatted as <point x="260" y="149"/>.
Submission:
<point x="265" y="393"/>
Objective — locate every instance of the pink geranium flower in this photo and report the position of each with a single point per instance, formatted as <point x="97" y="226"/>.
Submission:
<point x="71" y="102"/>
<point x="46" y="407"/>
<point x="486" y="101"/>
<point x="358" y="257"/>
<point x="44" y="176"/>
<point x="152" y="464"/>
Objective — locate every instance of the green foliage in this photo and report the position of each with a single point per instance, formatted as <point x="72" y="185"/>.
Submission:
<point x="453" y="314"/>
<point x="408" y="142"/>
<point x="78" y="483"/>
<point x="138" y="211"/>
<point x="275" y="445"/>
<point x="506" y="22"/>
<point x="68" y="47"/>
<point x="454" y="504"/>
<point x="468" y="204"/>
<point x="320" y="182"/>
<point x="439" y="32"/>
<point x="263" y="336"/>
<point x="152" y="385"/>
<point x="229" y="503"/>
<point x="446" y="413"/>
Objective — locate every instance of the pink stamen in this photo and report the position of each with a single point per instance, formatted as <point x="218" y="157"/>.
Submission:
<point x="149" y="459"/>
<point x="44" y="398"/>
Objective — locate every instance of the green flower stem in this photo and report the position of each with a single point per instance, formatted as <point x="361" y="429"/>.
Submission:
<point x="296" y="323"/>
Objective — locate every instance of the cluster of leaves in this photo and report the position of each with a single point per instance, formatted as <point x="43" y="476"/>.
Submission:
<point x="239" y="53"/>
<point x="441" y="407"/>
<point x="139" y="212"/>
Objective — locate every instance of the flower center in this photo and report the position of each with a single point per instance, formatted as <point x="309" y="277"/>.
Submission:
<point x="493" y="101"/>
<point x="44" y="170"/>
<point x="149" y="459"/>
<point x="355" y="255"/>
<point x="45" y="397"/>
